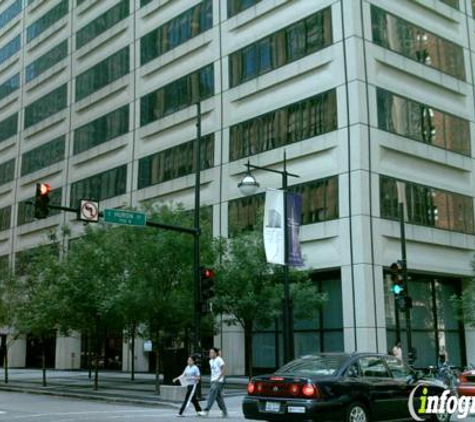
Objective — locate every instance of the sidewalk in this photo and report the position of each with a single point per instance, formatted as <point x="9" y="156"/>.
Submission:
<point x="113" y="386"/>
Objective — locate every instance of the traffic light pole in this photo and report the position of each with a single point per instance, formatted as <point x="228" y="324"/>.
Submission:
<point x="407" y="307"/>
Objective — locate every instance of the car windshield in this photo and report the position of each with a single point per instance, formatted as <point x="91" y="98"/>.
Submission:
<point x="315" y="365"/>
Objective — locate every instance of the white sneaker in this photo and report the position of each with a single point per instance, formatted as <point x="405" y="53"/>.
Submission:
<point x="224" y="415"/>
<point x="178" y="415"/>
<point x="203" y="413"/>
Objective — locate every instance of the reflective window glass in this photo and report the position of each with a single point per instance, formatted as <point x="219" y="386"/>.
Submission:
<point x="10" y="49"/>
<point x="7" y="171"/>
<point x="46" y="106"/>
<point x="5" y="219"/>
<point x="10" y="13"/>
<point x="9" y="127"/>
<point x="47" y="60"/>
<point x="47" y="20"/>
<point x="43" y="156"/>
<point x="9" y="86"/>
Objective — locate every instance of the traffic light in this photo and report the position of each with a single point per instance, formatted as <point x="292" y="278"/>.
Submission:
<point x="397" y="278"/>
<point x="42" y="200"/>
<point x="207" y="283"/>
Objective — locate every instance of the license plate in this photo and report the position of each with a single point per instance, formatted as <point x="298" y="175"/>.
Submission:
<point x="296" y="409"/>
<point x="272" y="406"/>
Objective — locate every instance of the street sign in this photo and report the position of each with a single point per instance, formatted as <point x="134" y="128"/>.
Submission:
<point x="129" y="218"/>
<point x="89" y="211"/>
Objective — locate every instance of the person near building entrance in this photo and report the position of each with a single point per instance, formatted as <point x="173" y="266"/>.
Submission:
<point x="189" y="378"/>
<point x="397" y="350"/>
<point x="217" y="367"/>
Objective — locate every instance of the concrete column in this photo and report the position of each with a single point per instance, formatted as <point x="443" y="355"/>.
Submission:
<point x="68" y="352"/>
<point x="16" y="352"/>
<point x="231" y="342"/>
<point x="141" y="357"/>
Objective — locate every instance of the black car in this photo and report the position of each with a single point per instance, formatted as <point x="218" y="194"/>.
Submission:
<point x="357" y="387"/>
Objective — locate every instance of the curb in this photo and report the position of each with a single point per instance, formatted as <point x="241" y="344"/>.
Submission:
<point x="95" y="397"/>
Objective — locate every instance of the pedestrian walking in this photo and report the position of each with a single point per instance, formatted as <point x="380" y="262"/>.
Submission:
<point x="190" y="378"/>
<point x="217" y="367"/>
<point x="397" y="350"/>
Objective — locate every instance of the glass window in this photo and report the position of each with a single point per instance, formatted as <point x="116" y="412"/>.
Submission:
<point x="428" y="206"/>
<point x="416" y="43"/>
<point x="179" y="94"/>
<point x="101" y="186"/>
<point x="422" y="122"/>
<point x="180" y="29"/>
<point x="10" y="49"/>
<point x="102" y="74"/>
<point x="5" y="218"/>
<point x="398" y="369"/>
<point x="79" y="2"/>
<point x="101" y="24"/>
<point x="452" y="3"/>
<point x="325" y="365"/>
<point x="43" y="156"/>
<point x="175" y="162"/>
<point x="101" y="130"/>
<point x="10" y="13"/>
<point x="26" y="209"/>
<point x="7" y="171"/>
<point x="237" y="6"/>
<point x="47" y="20"/>
<point x="285" y="46"/>
<point x="9" y="86"/>
<point x="143" y="2"/>
<point x="46" y="106"/>
<point x="9" y="127"/>
<point x="373" y="367"/>
<point x="47" y="60"/>
<point x="293" y="123"/>
<point x="319" y="203"/>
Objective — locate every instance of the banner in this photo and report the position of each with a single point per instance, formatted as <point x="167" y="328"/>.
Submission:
<point x="294" y="220"/>
<point x="274" y="227"/>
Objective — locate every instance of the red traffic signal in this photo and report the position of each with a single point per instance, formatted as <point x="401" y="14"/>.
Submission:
<point x="207" y="283"/>
<point x="42" y="200"/>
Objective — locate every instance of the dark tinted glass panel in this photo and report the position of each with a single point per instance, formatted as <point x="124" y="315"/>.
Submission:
<point x="47" y="60"/>
<point x="144" y="2"/>
<point x="47" y="20"/>
<point x="422" y="123"/>
<point x="296" y="122"/>
<point x="416" y="43"/>
<point x="101" y="24"/>
<point x="100" y="186"/>
<point x="26" y="211"/>
<point x="237" y="6"/>
<point x="9" y="127"/>
<point x="11" y="85"/>
<point x="79" y="2"/>
<point x="428" y="206"/>
<point x="193" y="22"/>
<point x="102" y="74"/>
<point x="5" y="218"/>
<point x="10" y="49"/>
<point x="175" y="162"/>
<point x="46" y="106"/>
<point x="10" y="13"/>
<point x="43" y="156"/>
<point x="451" y="3"/>
<point x="101" y="130"/>
<point x="7" y="171"/>
<point x="177" y="95"/>
<point x="282" y="47"/>
<point x="319" y="203"/>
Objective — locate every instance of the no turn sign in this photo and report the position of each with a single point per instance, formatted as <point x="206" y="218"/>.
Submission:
<point x="89" y="211"/>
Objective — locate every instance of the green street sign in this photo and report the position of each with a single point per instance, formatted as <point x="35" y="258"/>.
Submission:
<point x="129" y="218"/>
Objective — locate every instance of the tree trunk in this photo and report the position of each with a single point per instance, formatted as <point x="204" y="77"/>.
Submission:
<point x="43" y="360"/>
<point x="157" y="363"/>
<point x="88" y="350"/>
<point x="132" y="377"/>
<point x="248" y="349"/>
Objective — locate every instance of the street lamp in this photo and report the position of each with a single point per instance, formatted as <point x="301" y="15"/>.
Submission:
<point x="249" y="186"/>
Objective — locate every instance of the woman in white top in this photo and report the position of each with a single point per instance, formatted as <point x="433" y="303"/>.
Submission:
<point x="190" y="378"/>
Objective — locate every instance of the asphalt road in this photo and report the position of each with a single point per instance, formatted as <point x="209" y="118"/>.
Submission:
<point x="22" y="407"/>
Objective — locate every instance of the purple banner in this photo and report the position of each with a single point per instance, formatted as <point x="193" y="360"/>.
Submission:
<point x="294" y="220"/>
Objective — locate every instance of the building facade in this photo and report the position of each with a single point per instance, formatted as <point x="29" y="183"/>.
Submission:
<point x="98" y="98"/>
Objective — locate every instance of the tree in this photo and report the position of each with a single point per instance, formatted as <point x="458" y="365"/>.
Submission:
<point x="250" y="291"/>
<point x="464" y="304"/>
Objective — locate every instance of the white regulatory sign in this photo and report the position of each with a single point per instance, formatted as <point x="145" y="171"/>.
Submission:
<point x="89" y="210"/>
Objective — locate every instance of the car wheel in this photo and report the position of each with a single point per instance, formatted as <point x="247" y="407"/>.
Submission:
<point x="357" y="412"/>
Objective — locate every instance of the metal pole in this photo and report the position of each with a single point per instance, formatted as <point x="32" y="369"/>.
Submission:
<point x="398" y="323"/>
<point x="405" y="284"/>
<point x="197" y="258"/>
<point x="288" y="332"/>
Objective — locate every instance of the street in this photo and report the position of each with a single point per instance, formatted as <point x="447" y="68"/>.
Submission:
<point x="40" y="408"/>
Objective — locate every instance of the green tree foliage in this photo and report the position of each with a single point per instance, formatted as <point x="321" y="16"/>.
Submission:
<point x="250" y="291"/>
